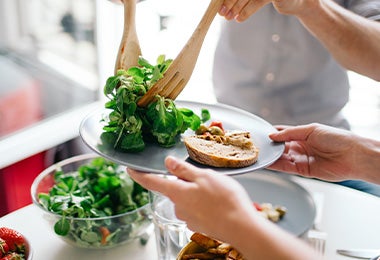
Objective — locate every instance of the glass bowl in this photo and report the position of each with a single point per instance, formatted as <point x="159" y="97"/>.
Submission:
<point x="190" y="248"/>
<point x="64" y="210"/>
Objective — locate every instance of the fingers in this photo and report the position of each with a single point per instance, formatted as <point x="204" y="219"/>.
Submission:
<point x="233" y="8"/>
<point x="296" y="133"/>
<point x="284" y="164"/>
<point x="281" y="127"/>
<point x="182" y="169"/>
<point x="167" y="184"/>
<point x="155" y="182"/>
<point x="241" y="10"/>
<point x="250" y="8"/>
<point x="147" y="180"/>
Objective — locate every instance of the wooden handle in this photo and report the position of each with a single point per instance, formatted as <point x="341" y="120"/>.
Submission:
<point x="129" y="50"/>
<point x="179" y="72"/>
<point x="199" y="34"/>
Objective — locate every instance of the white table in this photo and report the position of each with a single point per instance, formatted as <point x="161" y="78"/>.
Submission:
<point x="350" y="217"/>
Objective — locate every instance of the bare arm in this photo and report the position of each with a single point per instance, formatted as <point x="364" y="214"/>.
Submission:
<point x="218" y="206"/>
<point x="350" y="38"/>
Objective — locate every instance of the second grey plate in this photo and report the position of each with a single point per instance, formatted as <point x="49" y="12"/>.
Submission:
<point x="278" y="189"/>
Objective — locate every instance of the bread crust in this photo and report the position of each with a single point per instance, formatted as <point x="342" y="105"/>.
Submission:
<point x="219" y="154"/>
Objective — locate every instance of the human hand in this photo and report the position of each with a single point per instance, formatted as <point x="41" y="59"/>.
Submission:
<point x="319" y="151"/>
<point x="116" y="1"/>
<point x="205" y="200"/>
<point x="218" y="206"/>
<point x="121" y="1"/>
<point x="241" y="10"/>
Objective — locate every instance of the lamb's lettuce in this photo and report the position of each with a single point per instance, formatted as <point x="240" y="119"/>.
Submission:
<point x="129" y="126"/>
<point x="97" y="189"/>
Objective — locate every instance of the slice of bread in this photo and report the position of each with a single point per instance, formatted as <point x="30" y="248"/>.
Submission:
<point x="233" y="150"/>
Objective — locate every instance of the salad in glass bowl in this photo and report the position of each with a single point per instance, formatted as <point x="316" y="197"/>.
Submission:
<point x="92" y="202"/>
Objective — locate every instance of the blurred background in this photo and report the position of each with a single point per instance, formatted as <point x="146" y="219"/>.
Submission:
<point x="55" y="56"/>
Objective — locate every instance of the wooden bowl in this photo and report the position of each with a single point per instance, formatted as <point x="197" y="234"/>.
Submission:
<point x="190" y="248"/>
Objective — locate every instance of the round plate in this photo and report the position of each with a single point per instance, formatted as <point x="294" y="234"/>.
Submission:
<point x="278" y="189"/>
<point x="151" y="159"/>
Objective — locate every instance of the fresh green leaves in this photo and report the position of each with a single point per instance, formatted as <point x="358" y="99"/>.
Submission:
<point x="163" y="121"/>
<point x="97" y="189"/>
<point x="128" y="126"/>
<point x="62" y="227"/>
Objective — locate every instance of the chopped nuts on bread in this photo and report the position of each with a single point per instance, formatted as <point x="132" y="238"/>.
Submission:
<point x="233" y="149"/>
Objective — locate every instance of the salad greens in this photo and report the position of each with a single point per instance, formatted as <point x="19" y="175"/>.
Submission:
<point x="129" y="126"/>
<point x="97" y="189"/>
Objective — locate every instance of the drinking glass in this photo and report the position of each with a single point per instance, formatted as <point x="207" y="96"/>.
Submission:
<point x="171" y="233"/>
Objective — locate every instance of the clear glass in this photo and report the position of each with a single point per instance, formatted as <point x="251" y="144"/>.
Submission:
<point x="171" y="233"/>
<point x="130" y="225"/>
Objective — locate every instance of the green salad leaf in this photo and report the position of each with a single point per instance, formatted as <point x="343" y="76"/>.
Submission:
<point x="128" y="126"/>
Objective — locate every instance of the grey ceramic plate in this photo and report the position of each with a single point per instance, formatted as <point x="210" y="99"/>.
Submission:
<point x="152" y="158"/>
<point x="278" y="189"/>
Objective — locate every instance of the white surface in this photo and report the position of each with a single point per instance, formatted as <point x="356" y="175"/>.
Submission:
<point x="350" y="218"/>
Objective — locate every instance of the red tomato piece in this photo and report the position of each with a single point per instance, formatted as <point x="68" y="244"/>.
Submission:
<point x="105" y="233"/>
<point x="218" y="124"/>
<point x="257" y="206"/>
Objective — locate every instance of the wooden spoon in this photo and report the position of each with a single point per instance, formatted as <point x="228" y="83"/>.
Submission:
<point x="180" y="71"/>
<point x="129" y="50"/>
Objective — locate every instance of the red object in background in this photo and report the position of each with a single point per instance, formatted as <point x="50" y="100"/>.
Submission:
<point x="20" y="106"/>
<point x="15" y="182"/>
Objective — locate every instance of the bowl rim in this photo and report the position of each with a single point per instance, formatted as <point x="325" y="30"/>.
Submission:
<point x="76" y="158"/>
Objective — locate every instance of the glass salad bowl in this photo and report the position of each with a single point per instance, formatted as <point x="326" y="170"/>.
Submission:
<point x="92" y="202"/>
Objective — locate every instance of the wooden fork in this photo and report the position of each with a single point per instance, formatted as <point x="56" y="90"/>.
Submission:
<point x="179" y="72"/>
<point x="129" y="50"/>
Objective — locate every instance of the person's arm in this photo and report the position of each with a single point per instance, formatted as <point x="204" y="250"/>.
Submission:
<point x="327" y="153"/>
<point x="350" y="38"/>
<point x="218" y="206"/>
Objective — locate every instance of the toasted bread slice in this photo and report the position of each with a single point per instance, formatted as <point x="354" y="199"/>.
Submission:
<point x="233" y="150"/>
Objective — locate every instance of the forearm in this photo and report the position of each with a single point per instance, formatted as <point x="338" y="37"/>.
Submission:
<point x="264" y="240"/>
<point x="352" y="40"/>
<point x="368" y="160"/>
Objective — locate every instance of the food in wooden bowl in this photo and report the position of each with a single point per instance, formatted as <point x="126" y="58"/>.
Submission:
<point x="204" y="247"/>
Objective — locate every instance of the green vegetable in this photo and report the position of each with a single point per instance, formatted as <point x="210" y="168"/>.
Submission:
<point x="97" y="189"/>
<point x="128" y="126"/>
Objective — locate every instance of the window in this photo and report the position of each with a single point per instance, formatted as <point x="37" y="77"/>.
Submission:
<point x="55" y="56"/>
<point x="51" y="46"/>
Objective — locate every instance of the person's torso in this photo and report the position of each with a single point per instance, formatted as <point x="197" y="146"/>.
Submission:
<point x="274" y="64"/>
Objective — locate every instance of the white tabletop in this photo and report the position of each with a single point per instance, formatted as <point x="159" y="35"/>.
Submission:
<point x="350" y="217"/>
